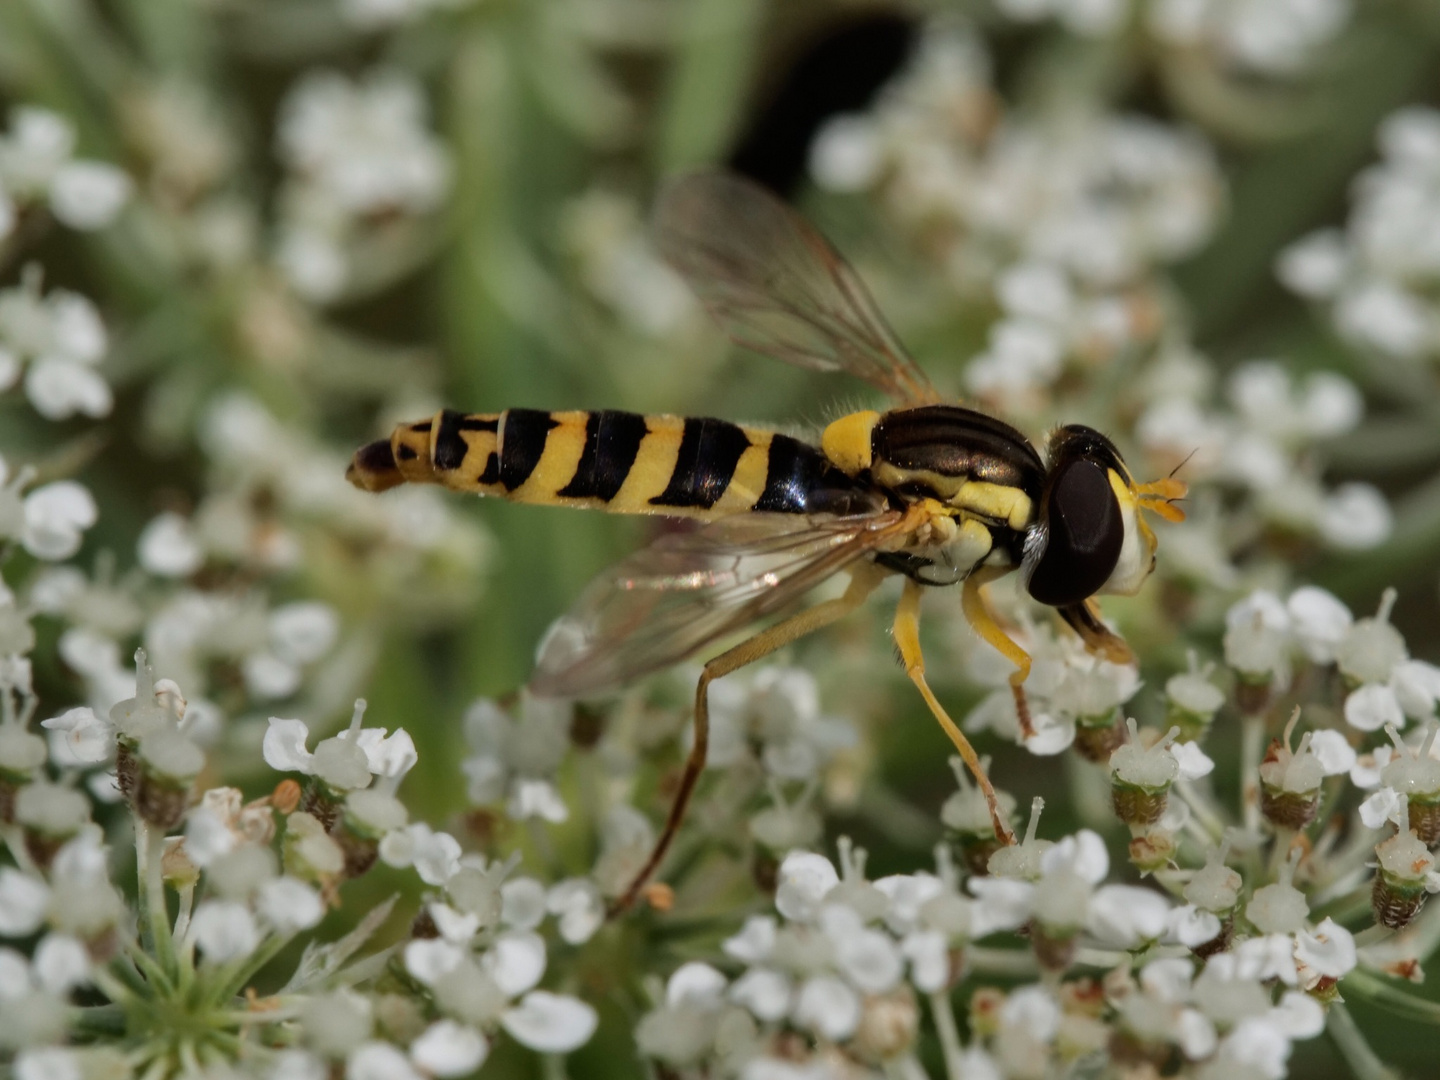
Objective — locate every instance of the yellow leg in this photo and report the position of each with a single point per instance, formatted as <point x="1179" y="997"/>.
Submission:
<point x="863" y="581"/>
<point x="907" y="638"/>
<point x="972" y="601"/>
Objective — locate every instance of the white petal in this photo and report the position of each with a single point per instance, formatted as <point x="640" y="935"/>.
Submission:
<point x="1320" y="621"/>
<point x="1001" y="904"/>
<point x="578" y="903"/>
<point x="754" y="942"/>
<point x="522" y="902"/>
<point x="207" y="837"/>
<point x="269" y="678"/>
<point x="1194" y="762"/>
<point x="870" y="960"/>
<point x="827" y="1007"/>
<point x="290" y="905"/>
<point x="436" y="854"/>
<point x="78" y="737"/>
<point x="1052" y="735"/>
<point x="284" y="746"/>
<point x="1125" y="916"/>
<point x="516" y="961"/>
<point x="303" y="632"/>
<point x="1372" y="706"/>
<point x="23" y="901"/>
<point x="60" y="388"/>
<point x="61" y="964"/>
<point x="454" y="926"/>
<point x="55" y="516"/>
<point x="1191" y="926"/>
<point x="392" y="756"/>
<point x="550" y="1023"/>
<point x="764" y="992"/>
<point x="539" y="799"/>
<point x="1334" y="752"/>
<point x="168" y="548"/>
<point x="1329" y="952"/>
<point x="929" y="956"/>
<point x="379" y="1061"/>
<point x="88" y="194"/>
<point x="428" y="959"/>
<point x="1034" y="1010"/>
<point x="224" y="930"/>
<point x="1381" y="807"/>
<point x="1197" y="1037"/>
<point x="694" y="982"/>
<point x="14" y="975"/>
<point x="1298" y="1015"/>
<point x="446" y="1048"/>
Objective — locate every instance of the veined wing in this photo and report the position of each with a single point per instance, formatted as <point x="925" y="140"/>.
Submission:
<point x="777" y="286"/>
<point x="687" y="590"/>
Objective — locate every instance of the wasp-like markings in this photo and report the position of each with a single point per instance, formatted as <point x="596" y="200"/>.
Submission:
<point x="939" y="494"/>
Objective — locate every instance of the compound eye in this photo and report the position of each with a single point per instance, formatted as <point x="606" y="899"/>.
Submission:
<point x="1085" y="534"/>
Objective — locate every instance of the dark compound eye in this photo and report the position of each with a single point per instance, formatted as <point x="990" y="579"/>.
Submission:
<point x="1085" y="531"/>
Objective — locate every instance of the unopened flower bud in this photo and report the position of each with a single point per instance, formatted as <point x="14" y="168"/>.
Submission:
<point x="1404" y="877"/>
<point x="888" y="1025"/>
<point x="49" y="814"/>
<point x="1372" y="647"/>
<point x="967" y="814"/>
<point x="1416" y="775"/>
<point x="1258" y="652"/>
<point x="168" y="764"/>
<point x="1192" y="700"/>
<point x="1141" y="776"/>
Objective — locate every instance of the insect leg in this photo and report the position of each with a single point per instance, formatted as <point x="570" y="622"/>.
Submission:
<point x="907" y="638"/>
<point x="863" y="580"/>
<point x="977" y="614"/>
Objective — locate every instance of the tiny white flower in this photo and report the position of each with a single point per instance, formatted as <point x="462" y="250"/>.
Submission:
<point x="61" y="963"/>
<point x="224" y="930"/>
<point x="303" y="632"/>
<point x="804" y="880"/>
<point x="1384" y="805"/>
<point x="550" y="1023"/>
<point x="1191" y="926"/>
<point x="1333" y="751"/>
<point x="56" y="516"/>
<point x="580" y="908"/>
<point x="23" y="900"/>
<point x="1320" y="621"/>
<point x="168" y="547"/>
<point x="1329" y="952"/>
<point x="1194" y="762"/>
<point x="536" y="799"/>
<point x="1001" y="904"/>
<point x="516" y="961"/>
<point x="446" y="1048"/>
<point x="1034" y="1010"/>
<point x="870" y="960"/>
<point x="284" y="746"/>
<point x="1299" y="1015"/>
<point x="78" y="737"/>
<point x="207" y="837"/>
<point x="88" y="194"/>
<point x="455" y="927"/>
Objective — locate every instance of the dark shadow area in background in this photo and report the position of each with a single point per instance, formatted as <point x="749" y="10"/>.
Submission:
<point x="838" y="70"/>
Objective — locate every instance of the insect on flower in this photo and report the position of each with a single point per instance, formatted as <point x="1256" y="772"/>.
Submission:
<point x="937" y="493"/>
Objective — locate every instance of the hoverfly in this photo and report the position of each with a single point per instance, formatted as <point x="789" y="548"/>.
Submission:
<point x="936" y="493"/>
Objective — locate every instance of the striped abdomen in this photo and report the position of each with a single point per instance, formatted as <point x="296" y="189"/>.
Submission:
<point x="617" y="461"/>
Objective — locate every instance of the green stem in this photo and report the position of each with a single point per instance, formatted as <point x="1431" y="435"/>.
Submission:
<point x="149" y="847"/>
<point x="1013" y="962"/>
<point x="949" y="1035"/>
<point x="1363" y="1061"/>
<point x="1379" y="992"/>
<point x="229" y="984"/>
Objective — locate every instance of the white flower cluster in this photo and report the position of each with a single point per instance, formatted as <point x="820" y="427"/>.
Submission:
<point x="1268" y="37"/>
<point x="357" y="151"/>
<point x="38" y="167"/>
<point x="849" y="960"/>
<point x="49" y="521"/>
<point x="1061" y="219"/>
<point x="1261" y="445"/>
<point x="1378" y="275"/>
<point x="57" y="340"/>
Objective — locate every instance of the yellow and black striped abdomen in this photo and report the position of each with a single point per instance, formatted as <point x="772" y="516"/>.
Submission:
<point x="621" y="462"/>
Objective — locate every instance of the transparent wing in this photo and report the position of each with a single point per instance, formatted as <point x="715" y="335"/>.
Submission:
<point x="687" y="590"/>
<point x="777" y="286"/>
